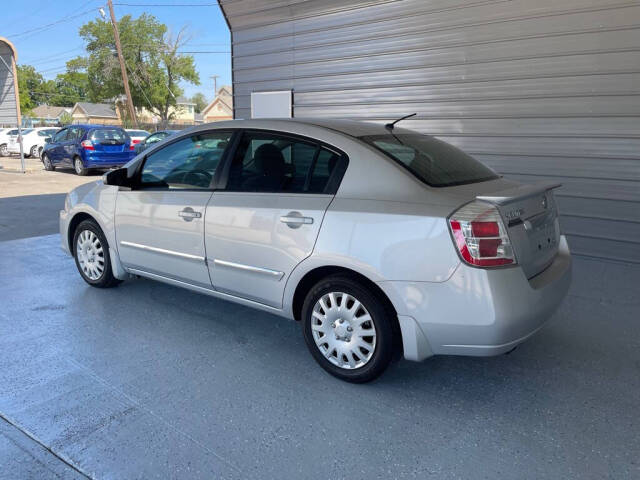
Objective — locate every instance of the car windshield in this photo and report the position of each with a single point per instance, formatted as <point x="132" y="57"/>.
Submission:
<point x="24" y="131"/>
<point x="111" y="136"/>
<point x="137" y="133"/>
<point x="433" y="161"/>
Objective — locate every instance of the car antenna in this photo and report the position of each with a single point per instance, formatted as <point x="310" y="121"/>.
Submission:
<point x="389" y="126"/>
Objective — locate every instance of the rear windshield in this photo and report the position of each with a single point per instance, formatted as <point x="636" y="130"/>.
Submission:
<point x="24" y="131"/>
<point x="433" y="161"/>
<point x="111" y="136"/>
<point x="138" y="133"/>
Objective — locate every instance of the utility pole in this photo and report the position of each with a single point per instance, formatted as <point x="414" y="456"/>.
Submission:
<point x="123" y="68"/>
<point x="215" y="84"/>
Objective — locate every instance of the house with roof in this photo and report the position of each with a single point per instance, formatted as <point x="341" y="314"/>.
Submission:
<point x="47" y="114"/>
<point x="183" y="113"/>
<point x="97" y="113"/>
<point x="221" y="108"/>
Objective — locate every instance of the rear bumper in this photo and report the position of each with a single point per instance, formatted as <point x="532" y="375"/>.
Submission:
<point x="106" y="161"/>
<point x="479" y="312"/>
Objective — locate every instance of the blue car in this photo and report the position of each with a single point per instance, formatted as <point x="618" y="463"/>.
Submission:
<point x="88" y="146"/>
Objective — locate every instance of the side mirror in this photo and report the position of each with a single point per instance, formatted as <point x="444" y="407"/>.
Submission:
<point x="117" y="178"/>
<point x="47" y="140"/>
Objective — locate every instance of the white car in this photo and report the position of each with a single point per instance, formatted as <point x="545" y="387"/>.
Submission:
<point x="137" y="135"/>
<point x="5" y="133"/>
<point x="33" y="140"/>
<point x="376" y="238"/>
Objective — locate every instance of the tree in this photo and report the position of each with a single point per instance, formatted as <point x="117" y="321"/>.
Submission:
<point x="34" y="89"/>
<point x="72" y="86"/>
<point x="200" y="100"/>
<point x="65" y="119"/>
<point x="151" y="55"/>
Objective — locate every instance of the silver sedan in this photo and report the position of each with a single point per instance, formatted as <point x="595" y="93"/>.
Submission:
<point x="377" y="239"/>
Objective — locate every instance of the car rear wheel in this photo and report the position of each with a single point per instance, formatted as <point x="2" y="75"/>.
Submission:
<point x="34" y="151"/>
<point x="347" y="329"/>
<point x="46" y="161"/>
<point x="91" y="251"/>
<point x="4" y="151"/>
<point x="78" y="166"/>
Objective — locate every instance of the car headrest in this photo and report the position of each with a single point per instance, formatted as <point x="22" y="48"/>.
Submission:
<point x="269" y="159"/>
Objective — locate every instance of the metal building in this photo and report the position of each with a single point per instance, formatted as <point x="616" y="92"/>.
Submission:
<point x="9" y="107"/>
<point x="537" y="89"/>
<point x="9" y="92"/>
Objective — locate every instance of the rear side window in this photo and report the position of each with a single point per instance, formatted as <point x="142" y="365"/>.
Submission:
<point x="109" y="136"/>
<point x="270" y="162"/>
<point x="433" y="161"/>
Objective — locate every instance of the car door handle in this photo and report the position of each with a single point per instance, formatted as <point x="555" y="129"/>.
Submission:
<point x="189" y="214"/>
<point x="296" y="220"/>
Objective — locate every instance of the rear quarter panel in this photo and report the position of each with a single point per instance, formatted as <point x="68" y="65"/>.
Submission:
<point x="382" y="240"/>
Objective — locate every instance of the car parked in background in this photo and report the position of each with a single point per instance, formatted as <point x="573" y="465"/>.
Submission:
<point x="84" y="147"/>
<point x="33" y="140"/>
<point x="376" y="238"/>
<point x="153" y="139"/>
<point x="5" y="135"/>
<point x="137" y="136"/>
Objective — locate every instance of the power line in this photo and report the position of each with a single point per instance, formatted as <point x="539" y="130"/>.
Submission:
<point x="52" y="24"/>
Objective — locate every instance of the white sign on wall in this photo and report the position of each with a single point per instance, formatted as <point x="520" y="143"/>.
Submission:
<point x="275" y="104"/>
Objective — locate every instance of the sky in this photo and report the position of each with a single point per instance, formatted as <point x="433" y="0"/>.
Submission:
<point x="45" y="33"/>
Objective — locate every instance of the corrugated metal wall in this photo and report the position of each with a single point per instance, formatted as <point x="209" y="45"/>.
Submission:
<point x="537" y="89"/>
<point x="7" y="93"/>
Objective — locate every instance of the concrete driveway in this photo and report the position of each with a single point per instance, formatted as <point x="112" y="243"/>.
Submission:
<point x="151" y="381"/>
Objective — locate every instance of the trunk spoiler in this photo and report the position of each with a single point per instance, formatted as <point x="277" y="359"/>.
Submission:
<point x="504" y="197"/>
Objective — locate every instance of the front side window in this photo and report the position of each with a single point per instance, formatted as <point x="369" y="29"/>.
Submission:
<point x="60" y="136"/>
<point x="432" y="161"/>
<point x="155" y="138"/>
<point x="267" y="162"/>
<point x="189" y="163"/>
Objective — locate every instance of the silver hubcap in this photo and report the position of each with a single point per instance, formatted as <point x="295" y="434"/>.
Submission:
<point x="343" y="330"/>
<point x="78" y="164"/>
<point x="90" y="254"/>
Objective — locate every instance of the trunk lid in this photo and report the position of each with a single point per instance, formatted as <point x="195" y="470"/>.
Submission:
<point x="530" y="214"/>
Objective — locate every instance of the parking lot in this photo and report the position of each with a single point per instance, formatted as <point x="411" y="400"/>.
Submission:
<point x="151" y="381"/>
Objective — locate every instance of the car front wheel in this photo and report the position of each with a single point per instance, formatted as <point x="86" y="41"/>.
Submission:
<point x="347" y="329"/>
<point x="4" y="151"/>
<point x="78" y="166"/>
<point x="34" y="151"/>
<point x="91" y="252"/>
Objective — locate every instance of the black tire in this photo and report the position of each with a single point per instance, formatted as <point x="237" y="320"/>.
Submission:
<point x="106" y="279"/>
<point x="79" y="167"/>
<point x="48" y="166"/>
<point x="34" y="151"/>
<point x="4" y="151"/>
<point x="382" y="320"/>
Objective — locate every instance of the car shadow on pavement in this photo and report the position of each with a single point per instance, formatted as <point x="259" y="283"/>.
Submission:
<point x="30" y="215"/>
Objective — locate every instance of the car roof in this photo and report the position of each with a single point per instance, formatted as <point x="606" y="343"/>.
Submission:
<point x="89" y="126"/>
<point x="352" y="128"/>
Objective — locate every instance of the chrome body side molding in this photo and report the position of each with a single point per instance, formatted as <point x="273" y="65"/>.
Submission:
<point x="249" y="268"/>
<point x="147" y="248"/>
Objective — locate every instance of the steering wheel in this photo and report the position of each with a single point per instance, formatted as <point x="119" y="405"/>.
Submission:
<point x="196" y="178"/>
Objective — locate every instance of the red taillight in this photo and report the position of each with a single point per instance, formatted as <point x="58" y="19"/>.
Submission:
<point x="135" y="141"/>
<point x="132" y="146"/>
<point x="87" y="145"/>
<point x="480" y="236"/>
<point x="485" y="229"/>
